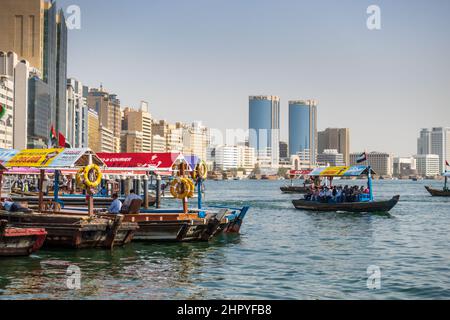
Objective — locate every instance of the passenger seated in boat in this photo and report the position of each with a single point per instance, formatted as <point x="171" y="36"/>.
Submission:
<point x="132" y="196"/>
<point x="116" y="205"/>
<point x="11" y="206"/>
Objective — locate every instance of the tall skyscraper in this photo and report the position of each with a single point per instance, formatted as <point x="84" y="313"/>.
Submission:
<point x="107" y="106"/>
<point x="77" y="115"/>
<point x="435" y="142"/>
<point x="335" y="138"/>
<point x="303" y="129"/>
<point x="139" y="121"/>
<point x="37" y="32"/>
<point x="264" y="129"/>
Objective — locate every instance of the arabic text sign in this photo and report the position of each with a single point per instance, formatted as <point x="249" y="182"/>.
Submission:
<point x="67" y="158"/>
<point x="34" y="158"/>
<point x="334" y="171"/>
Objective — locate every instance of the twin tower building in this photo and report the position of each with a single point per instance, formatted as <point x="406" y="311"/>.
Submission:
<point x="264" y="129"/>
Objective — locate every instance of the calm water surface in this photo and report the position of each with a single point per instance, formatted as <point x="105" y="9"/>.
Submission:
<point x="282" y="253"/>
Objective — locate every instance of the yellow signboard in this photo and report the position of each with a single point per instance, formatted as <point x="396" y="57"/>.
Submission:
<point x="33" y="158"/>
<point x="334" y="171"/>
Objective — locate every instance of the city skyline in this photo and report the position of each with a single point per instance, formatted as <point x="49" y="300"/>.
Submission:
<point x="188" y="73"/>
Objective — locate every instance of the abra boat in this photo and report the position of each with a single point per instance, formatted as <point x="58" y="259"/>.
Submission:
<point x="293" y="174"/>
<point x="19" y="242"/>
<point x="366" y="203"/>
<point x="445" y="192"/>
<point x="64" y="228"/>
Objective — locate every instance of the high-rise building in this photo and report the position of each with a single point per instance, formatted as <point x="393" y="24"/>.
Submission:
<point x="303" y="128"/>
<point x="39" y="113"/>
<point x="94" y="141"/>
<point x="195" y="139"/>
<point x="77" y="113"/>
<point x="428" y="165"/>
<point x="131" y="141"/>
<point x="246" y="157"/>
<point x="158" y="144"/>
<point x="36" y="31"/>
<point x="424" y="142"/>
<point x="380" y="162"/>
<point x="139" y="121"/>
<point x="284" y="152"/>
<point x="330" y="157"/>
<point x="172" y="134"/>
<point x="335" y="138"/>
<point x="107" y="106"/>
<point x="436" y="142"/>
<point x="404" y="166"/>
<point x="264" y="129"/>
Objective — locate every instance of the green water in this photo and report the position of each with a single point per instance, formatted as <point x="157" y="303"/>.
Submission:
<point x="282" y="253"/>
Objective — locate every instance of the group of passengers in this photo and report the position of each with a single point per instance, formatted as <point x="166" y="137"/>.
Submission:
<point x="336" y="194"/>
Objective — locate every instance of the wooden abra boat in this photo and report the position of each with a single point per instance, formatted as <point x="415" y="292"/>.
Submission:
<point x="75" y="231"/>
<point x="438" y="193"/>
<point x="294" y="189"/>
<point x="374" y="206"/>
<point x="366" y="202"/>
<point x="20" y="242"/>
<point x="445" y="192"/>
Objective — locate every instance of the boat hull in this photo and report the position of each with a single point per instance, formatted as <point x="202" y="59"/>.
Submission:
<point x="20" y="242"/>
<point x="294" y="189"/>
<point x="76" y="232"/>
<point x="437" y="193"/>
<point x="359" y="207"/>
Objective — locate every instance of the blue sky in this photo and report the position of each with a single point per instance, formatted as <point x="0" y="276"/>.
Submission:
<point x="200" y="60"/>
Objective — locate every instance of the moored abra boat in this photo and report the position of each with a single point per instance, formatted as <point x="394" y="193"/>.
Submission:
<point x="365" y="203"/>
<point x="299" y="188"/>
<point x="20" y="242"/>
<point x="445" y="192"/>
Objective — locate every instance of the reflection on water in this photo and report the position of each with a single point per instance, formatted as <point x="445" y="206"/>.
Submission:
<point x="282" y="253"/>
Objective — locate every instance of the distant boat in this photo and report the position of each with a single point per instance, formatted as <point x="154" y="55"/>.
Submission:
<point x="445" y="192"/>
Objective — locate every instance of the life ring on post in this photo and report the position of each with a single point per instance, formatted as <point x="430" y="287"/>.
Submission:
<point x="200" y="171"/>
<point x="179" y="188"/>
<point x="79" y="178"/>
<point x="191" y="186"/>
<point x="92" y="171"/>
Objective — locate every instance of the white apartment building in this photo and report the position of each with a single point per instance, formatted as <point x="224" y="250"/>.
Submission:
<point x="428" y="165"/>
<point x="77" y="114"/>
<point x="435" y="141"/>
<point x="159" y="144"/>
<point x="195" y="139"/>
<point x="330" y="157"/>
<point x="404" y="166"/>
<point x="246" y="157"/>
<point x="380" y="162"/>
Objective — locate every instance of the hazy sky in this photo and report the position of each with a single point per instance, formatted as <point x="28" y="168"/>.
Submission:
<point x="201" y="59"/>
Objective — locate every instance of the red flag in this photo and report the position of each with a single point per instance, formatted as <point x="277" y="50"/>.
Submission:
<point x="61" y="140"/>
<point x="446" y="163"/>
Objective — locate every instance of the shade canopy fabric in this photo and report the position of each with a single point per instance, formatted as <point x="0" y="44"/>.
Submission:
<point x="354" y="171"/>
<point x="143" y="161"/>
<point x="53" y="158"/>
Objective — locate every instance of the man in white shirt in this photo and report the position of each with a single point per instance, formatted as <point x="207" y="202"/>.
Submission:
<point x="132" y="196"/>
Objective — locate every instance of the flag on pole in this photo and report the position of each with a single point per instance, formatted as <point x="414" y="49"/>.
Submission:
<point x="61" y="140"/>
<point x="362" y="158"/>
<point x="52" y="142"/>
<point x="446" y="163"/>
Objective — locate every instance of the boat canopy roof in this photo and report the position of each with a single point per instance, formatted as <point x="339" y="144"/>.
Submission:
<point x="192" y="160"/>
<point x="305" y="172"/>
<point x="354" y="171"/>
<point x="53" y="159"/>
<point x="446" y="174"/>
<point x="140" y="161"/>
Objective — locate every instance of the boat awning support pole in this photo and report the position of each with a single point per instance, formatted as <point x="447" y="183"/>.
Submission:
<point x="41" y="191"/>
<point x="56" y="186"/>
<point x="185" y="200"/>
<point x="369" y="183"/>
<point x="146" y="192"/>
<point x="445" y="183"/>
<point x="90" y="196"/>
<point x="199" y="192"/>
<point x="158" y="192"/>
<point x="1" y="184"/>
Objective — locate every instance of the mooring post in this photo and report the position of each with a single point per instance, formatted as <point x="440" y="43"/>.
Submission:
<point x="158" y="192"/>
<point x="145" y="178"/>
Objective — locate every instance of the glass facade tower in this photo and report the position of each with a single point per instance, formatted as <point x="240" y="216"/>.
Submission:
<point x="303" y="129"/>
<point x="264" y="127"/>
